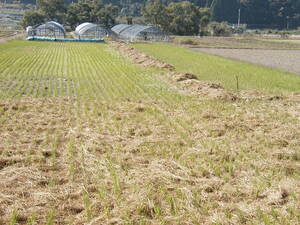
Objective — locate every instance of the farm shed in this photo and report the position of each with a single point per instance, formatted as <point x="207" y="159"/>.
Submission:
<point x="49" y="29"/>
<point x="140" y="33"/>
<point x="91" y="31"/>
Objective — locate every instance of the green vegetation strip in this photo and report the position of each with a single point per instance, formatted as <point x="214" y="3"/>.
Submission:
<point x="225" y="71"/>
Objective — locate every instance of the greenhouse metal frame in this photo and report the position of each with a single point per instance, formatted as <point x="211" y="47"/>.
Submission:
<point x="92" y="31"/>
<point x="50" y="29"/>
<point x="140" y="33"/>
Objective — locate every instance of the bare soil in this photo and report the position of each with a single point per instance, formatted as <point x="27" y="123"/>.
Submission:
<point x="287" y="60"/>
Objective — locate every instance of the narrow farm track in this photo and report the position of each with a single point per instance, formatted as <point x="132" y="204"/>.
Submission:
<point x="87" y="137"/>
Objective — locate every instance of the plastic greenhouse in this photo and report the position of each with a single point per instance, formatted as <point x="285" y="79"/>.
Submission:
<point x="140" y="33"/>
<point x="91" y="31"/>
<point x="49" y="29"/>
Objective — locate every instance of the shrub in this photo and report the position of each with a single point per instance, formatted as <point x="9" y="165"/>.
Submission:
<point x="219" y="29"/>
<point x="239" y="30"/>
<point x="188" y="41"/>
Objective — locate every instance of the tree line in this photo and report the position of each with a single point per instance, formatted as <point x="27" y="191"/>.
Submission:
<point x="279" y="14"/>
<point x="181" y="18"/>
<point x="71" y="14"/>
<point x="175" y="16"/>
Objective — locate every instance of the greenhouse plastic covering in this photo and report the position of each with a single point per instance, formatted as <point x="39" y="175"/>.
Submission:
<point x="48" y="29"/>
<point x="79" y="27"/>
<point x="140" y="32"/>
<point x="91" y="30"/>
<point x="119" y="28"/>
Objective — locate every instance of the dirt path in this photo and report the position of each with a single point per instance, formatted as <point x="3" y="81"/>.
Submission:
<point x="287" y="60"/>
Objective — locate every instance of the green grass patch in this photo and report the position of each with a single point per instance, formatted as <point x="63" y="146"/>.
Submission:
<point x="218" y="69"/>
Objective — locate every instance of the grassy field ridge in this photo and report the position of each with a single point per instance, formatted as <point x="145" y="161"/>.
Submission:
<point x="225" y="71"/>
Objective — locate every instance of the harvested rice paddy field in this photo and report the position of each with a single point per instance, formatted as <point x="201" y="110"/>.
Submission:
<point x="105" y="134"/>
<point x="295" y="41"/>
<point x="246" y="42"/>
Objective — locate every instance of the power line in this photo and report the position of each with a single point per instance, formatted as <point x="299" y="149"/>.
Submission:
<point x="212" y="3"/>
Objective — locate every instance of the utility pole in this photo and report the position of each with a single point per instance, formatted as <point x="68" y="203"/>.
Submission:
<point x="239" y="14"/>
<point x="239" y="18"/>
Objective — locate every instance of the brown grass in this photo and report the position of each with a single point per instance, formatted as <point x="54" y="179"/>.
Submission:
<point x="139" y="57"/>
<point x="225" y="166"/>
